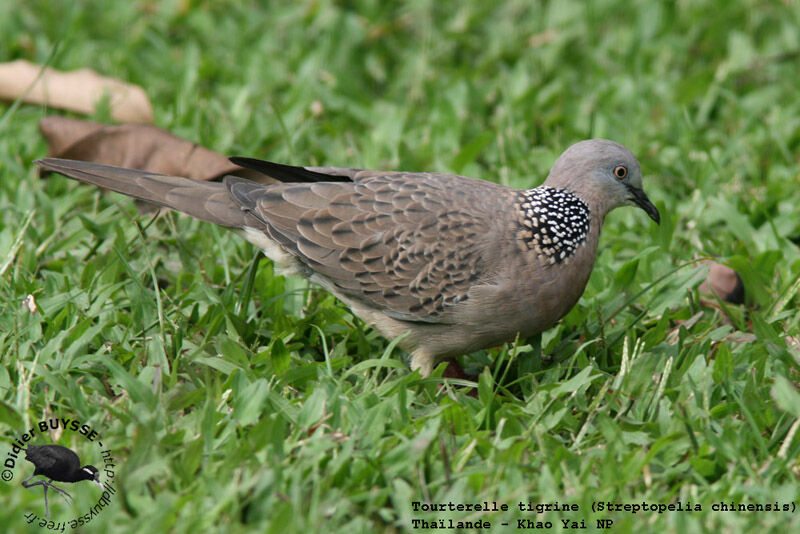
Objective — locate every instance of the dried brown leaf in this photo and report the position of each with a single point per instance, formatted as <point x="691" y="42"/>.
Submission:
<point x="78" y="90"/>
<point x="137" y="146"/>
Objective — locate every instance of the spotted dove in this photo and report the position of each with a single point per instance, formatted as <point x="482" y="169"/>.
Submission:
<point x="456" y="264"/>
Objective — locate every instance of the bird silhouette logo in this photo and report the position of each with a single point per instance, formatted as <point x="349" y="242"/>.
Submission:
<point x="60" y="464"/>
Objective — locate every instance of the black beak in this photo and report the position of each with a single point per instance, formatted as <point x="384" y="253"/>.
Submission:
<point x="640" y="199"/>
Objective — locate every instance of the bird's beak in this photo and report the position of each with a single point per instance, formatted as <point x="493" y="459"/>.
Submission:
<point x="640" y="199"/>
<point x="99" y="484"/>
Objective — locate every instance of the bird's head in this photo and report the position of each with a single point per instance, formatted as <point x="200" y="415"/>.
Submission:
<point x="604" y="174"/>
<point x="90" y="472"/>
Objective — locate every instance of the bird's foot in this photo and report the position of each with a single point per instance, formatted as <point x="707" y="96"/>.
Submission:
<point x="454" y="370"/>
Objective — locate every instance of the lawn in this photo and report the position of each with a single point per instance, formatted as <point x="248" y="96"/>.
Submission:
<point x="234" y="400"/>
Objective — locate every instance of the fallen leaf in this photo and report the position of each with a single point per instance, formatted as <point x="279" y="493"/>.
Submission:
<point x="137" y="146"/>
<point x="62" y="132"/>
<point x="79" y="90"/>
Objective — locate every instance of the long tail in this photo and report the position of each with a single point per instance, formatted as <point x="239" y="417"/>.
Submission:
<point x="208" y="201"/>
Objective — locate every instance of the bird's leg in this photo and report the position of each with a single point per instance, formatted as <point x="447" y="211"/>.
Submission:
<point x="46" y="484"/>
<point x="32" y="484"/>
<point x="49" y="484"/>
<point x="454" y="369"/>
<point x="67" y="496"/>
<point x="425" y="362"/>
<point x="422" y="361"/>
<point x="46" y="508"/>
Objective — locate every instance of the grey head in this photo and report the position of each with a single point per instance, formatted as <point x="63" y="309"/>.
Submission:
<point x="604" y="174"/>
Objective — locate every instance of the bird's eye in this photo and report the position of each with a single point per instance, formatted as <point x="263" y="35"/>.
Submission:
<point x="621" y="171"/>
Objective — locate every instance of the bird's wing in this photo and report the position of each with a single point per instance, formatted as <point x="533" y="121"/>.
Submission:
<point x="408" y="244"/>
<point x="45" y="457"/>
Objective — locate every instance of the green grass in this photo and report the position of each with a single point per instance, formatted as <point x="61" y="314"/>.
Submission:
<point x="238" y="407"/>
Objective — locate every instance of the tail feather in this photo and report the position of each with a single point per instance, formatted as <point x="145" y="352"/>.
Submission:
<point x="208" y="201"/>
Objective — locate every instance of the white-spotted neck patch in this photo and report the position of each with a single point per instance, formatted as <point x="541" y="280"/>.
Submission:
<point x="554" y="223"/>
